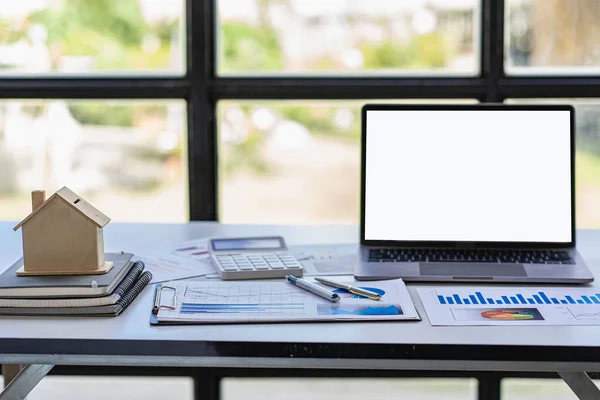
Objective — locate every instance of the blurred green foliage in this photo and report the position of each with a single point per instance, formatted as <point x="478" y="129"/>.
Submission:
<point x="421" y="51"/>
<point x="245" y="156"/>
<point x="249" y="48"/>
<point x="94" y="113"/>
<point x="319" y="119"/>
<point x="112" y="32"/>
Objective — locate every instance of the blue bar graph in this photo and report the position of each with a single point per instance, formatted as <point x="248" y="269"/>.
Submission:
<point x="528" y="297"/>
<point x="545" y="298"/>
<point x="480" y="297"/>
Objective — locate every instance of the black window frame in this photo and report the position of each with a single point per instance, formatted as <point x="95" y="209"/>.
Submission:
<point x="202" y="89"/>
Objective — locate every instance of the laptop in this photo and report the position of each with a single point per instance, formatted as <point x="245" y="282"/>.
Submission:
<point x="469" y="193"/>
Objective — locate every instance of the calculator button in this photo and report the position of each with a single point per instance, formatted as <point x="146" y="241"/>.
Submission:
<point x="230" y="268"/>
<point x="246" y="267"/>
<point x="276" y="265"/>
<point x="227" y="264"/>
<point x="292" y="265"/>
<point x="261" y="267"/>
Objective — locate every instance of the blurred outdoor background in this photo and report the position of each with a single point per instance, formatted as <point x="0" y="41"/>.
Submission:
<point x="280" y="162"/>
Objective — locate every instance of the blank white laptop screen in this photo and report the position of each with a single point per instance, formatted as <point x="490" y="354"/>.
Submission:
<point x="468" y="175"/>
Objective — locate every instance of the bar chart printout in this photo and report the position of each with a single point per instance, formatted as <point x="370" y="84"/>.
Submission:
<point x="538" y="297"/>
<point x="511" y="305"/>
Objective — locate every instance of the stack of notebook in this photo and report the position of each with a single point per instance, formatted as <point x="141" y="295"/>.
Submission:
<point x="79" y="295"/>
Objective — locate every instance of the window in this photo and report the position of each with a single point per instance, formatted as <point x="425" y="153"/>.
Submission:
<point x="587" y="157"/>
<point x="558" y="37"/>
<point x="352" y="388"/>
<point x="127" y="158"/>
<point x="347" y="37"/>
<point x="44" y="37"/>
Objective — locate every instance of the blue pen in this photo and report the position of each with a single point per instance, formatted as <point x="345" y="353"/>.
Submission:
<point x="314" y="289"/>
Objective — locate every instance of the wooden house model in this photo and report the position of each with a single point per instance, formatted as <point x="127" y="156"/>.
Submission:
<point x="63" y="236"/>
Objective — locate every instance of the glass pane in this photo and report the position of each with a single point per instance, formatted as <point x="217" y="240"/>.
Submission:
<point x="587" y="157"/>
<point x="349" y="389"/>
<point x="113" y="387"/>
<point x="342" y="37"/>
<point x="40" y="37"/>
<point x="126" y="158"/>
<point x="552" y="37"/>
<point x="535" y="389"/>
<point x="286" y="162"/>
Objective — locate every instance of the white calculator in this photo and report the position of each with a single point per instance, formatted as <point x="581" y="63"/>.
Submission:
<point x="252" y="258"/>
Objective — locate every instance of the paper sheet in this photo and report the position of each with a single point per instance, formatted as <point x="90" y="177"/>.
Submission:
<point x="196" y="249"/>
<point x="188" y="260"/>
<point x="480" y="305"/>
<point x="254" y="301"/>
<point x="327" y="259"/>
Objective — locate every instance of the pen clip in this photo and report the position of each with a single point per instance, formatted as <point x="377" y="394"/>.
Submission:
<point x="158" y="296"/>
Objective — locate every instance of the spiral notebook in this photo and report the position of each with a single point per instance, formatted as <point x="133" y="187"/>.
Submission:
<point x="67" y="286"/>
<point x="112" y="305"/>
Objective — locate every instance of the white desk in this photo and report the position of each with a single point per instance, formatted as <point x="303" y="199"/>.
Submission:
<point x="129" y="340"/>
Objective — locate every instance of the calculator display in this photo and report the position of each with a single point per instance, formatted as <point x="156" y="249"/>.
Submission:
<point x="273" y="243"/>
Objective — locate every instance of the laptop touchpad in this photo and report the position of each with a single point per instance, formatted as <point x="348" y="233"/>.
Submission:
<point x="471" y="269"/>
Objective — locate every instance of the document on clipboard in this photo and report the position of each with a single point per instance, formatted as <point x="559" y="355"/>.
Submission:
<point x="209" y="302"/>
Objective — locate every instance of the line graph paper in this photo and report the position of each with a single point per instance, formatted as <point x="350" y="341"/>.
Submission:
<point x="238" y="301"/>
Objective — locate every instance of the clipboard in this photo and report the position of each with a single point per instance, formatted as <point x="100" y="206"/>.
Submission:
<point x="215" y="302"/>
<point x="158" y="304"/>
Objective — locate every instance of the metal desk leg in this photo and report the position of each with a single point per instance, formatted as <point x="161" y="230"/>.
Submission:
<point x="581" y="384"/>
<point x="25" y="381"/>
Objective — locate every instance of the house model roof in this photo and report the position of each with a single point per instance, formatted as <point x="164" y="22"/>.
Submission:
<point x="77" y="203"/>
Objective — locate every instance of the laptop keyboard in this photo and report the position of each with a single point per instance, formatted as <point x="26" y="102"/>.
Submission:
<point x="459" y="255"/>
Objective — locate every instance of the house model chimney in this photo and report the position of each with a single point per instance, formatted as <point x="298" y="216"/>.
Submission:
<point x="37" y="198"/>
